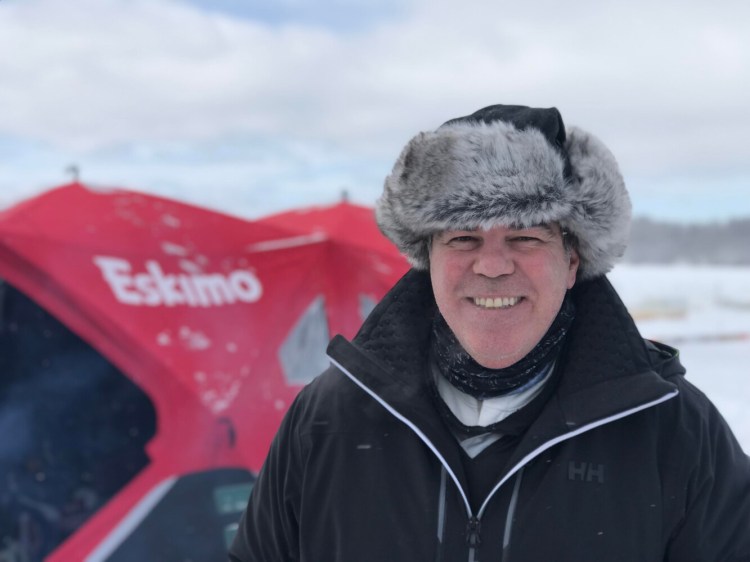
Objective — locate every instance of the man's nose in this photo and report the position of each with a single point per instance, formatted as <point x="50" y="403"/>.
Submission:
<point x="494" y="260"/>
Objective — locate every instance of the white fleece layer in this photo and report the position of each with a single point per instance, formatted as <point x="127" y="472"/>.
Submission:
<point x="473" y="412"/>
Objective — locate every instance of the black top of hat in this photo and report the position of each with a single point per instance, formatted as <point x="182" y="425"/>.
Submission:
<point x="548" y="121"/>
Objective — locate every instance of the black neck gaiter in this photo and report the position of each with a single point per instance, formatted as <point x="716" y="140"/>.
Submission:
<point x="463" y="372"/>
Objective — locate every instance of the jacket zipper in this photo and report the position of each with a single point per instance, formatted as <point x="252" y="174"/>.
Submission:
<point x="473" y="538"/>
<point x="509" y="517"/>
<point x="473" y="527"/>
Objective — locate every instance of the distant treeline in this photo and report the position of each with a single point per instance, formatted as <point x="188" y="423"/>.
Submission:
<point x="725" y="243"/>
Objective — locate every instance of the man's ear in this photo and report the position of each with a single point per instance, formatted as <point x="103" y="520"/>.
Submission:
<point x="574" y="261"/>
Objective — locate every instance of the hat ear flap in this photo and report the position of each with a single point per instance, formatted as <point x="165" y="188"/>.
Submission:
<point x="601" y="208"/>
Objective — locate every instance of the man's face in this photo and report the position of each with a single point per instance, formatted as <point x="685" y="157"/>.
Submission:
<point x="500" y="289"/>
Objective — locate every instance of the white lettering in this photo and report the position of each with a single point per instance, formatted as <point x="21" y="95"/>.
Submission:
<point x="245" y="285"/>
<point x="154" y="287"/>
<point x="145" y="284"/>
<point x="213" y="289"/>
<point x="115" y="272"/>
<point x="187" y="290"/>
<point x="166" y="284"/>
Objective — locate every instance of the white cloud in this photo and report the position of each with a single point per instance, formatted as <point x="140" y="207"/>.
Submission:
<point x="97" y="72"/>
<point x="664" y="84"/>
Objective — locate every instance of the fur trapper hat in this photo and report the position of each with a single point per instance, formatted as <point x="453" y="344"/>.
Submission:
<point x="513" y="166"/>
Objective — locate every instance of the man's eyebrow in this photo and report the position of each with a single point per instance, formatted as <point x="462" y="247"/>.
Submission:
<point x="544" y="226"/>
<point x="454" y="230"/>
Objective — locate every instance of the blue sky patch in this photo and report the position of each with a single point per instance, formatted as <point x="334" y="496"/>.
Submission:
<point x="337" y="15"/>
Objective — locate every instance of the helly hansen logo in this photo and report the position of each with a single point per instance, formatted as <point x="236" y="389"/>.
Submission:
<point x="586" y="472"/>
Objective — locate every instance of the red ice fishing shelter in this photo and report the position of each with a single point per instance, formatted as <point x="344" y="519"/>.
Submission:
<point x="211" y="323"/>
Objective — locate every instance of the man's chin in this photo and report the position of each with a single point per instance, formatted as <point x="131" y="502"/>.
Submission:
<point x="497" y="359"/>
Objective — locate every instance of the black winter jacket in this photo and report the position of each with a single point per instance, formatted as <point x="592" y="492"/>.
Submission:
<point x="627" y="461"/>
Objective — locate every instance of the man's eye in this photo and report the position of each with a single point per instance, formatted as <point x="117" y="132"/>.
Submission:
<point x="526" y="239"/>
<point x="463" y="242"/>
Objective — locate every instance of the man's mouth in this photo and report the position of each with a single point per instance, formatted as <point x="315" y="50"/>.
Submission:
<point x="496" y="302"/>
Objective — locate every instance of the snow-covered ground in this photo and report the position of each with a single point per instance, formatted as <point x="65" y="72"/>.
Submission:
<point x="705" y="312"/>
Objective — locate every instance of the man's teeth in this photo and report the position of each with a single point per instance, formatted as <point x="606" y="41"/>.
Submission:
<point x="497" y="302"/>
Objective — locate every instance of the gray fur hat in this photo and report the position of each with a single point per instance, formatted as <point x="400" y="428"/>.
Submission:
<point x="512" y="166"/>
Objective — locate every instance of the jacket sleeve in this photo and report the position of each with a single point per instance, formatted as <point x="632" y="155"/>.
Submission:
<point x="716" y="523"/>
<point x="268" y="529"/>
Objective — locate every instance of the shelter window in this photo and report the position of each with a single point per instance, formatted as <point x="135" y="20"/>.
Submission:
<point x="74" y="429"/>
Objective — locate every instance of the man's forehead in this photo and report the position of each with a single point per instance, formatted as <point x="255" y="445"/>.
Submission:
<point x="551" y="227"/>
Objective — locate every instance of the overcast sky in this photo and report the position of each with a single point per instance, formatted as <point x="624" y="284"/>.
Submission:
<point x="253" y="107"/>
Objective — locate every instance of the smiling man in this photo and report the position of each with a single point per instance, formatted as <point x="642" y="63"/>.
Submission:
<point x="499" y="404"/>
<point x="501" y="281"/>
